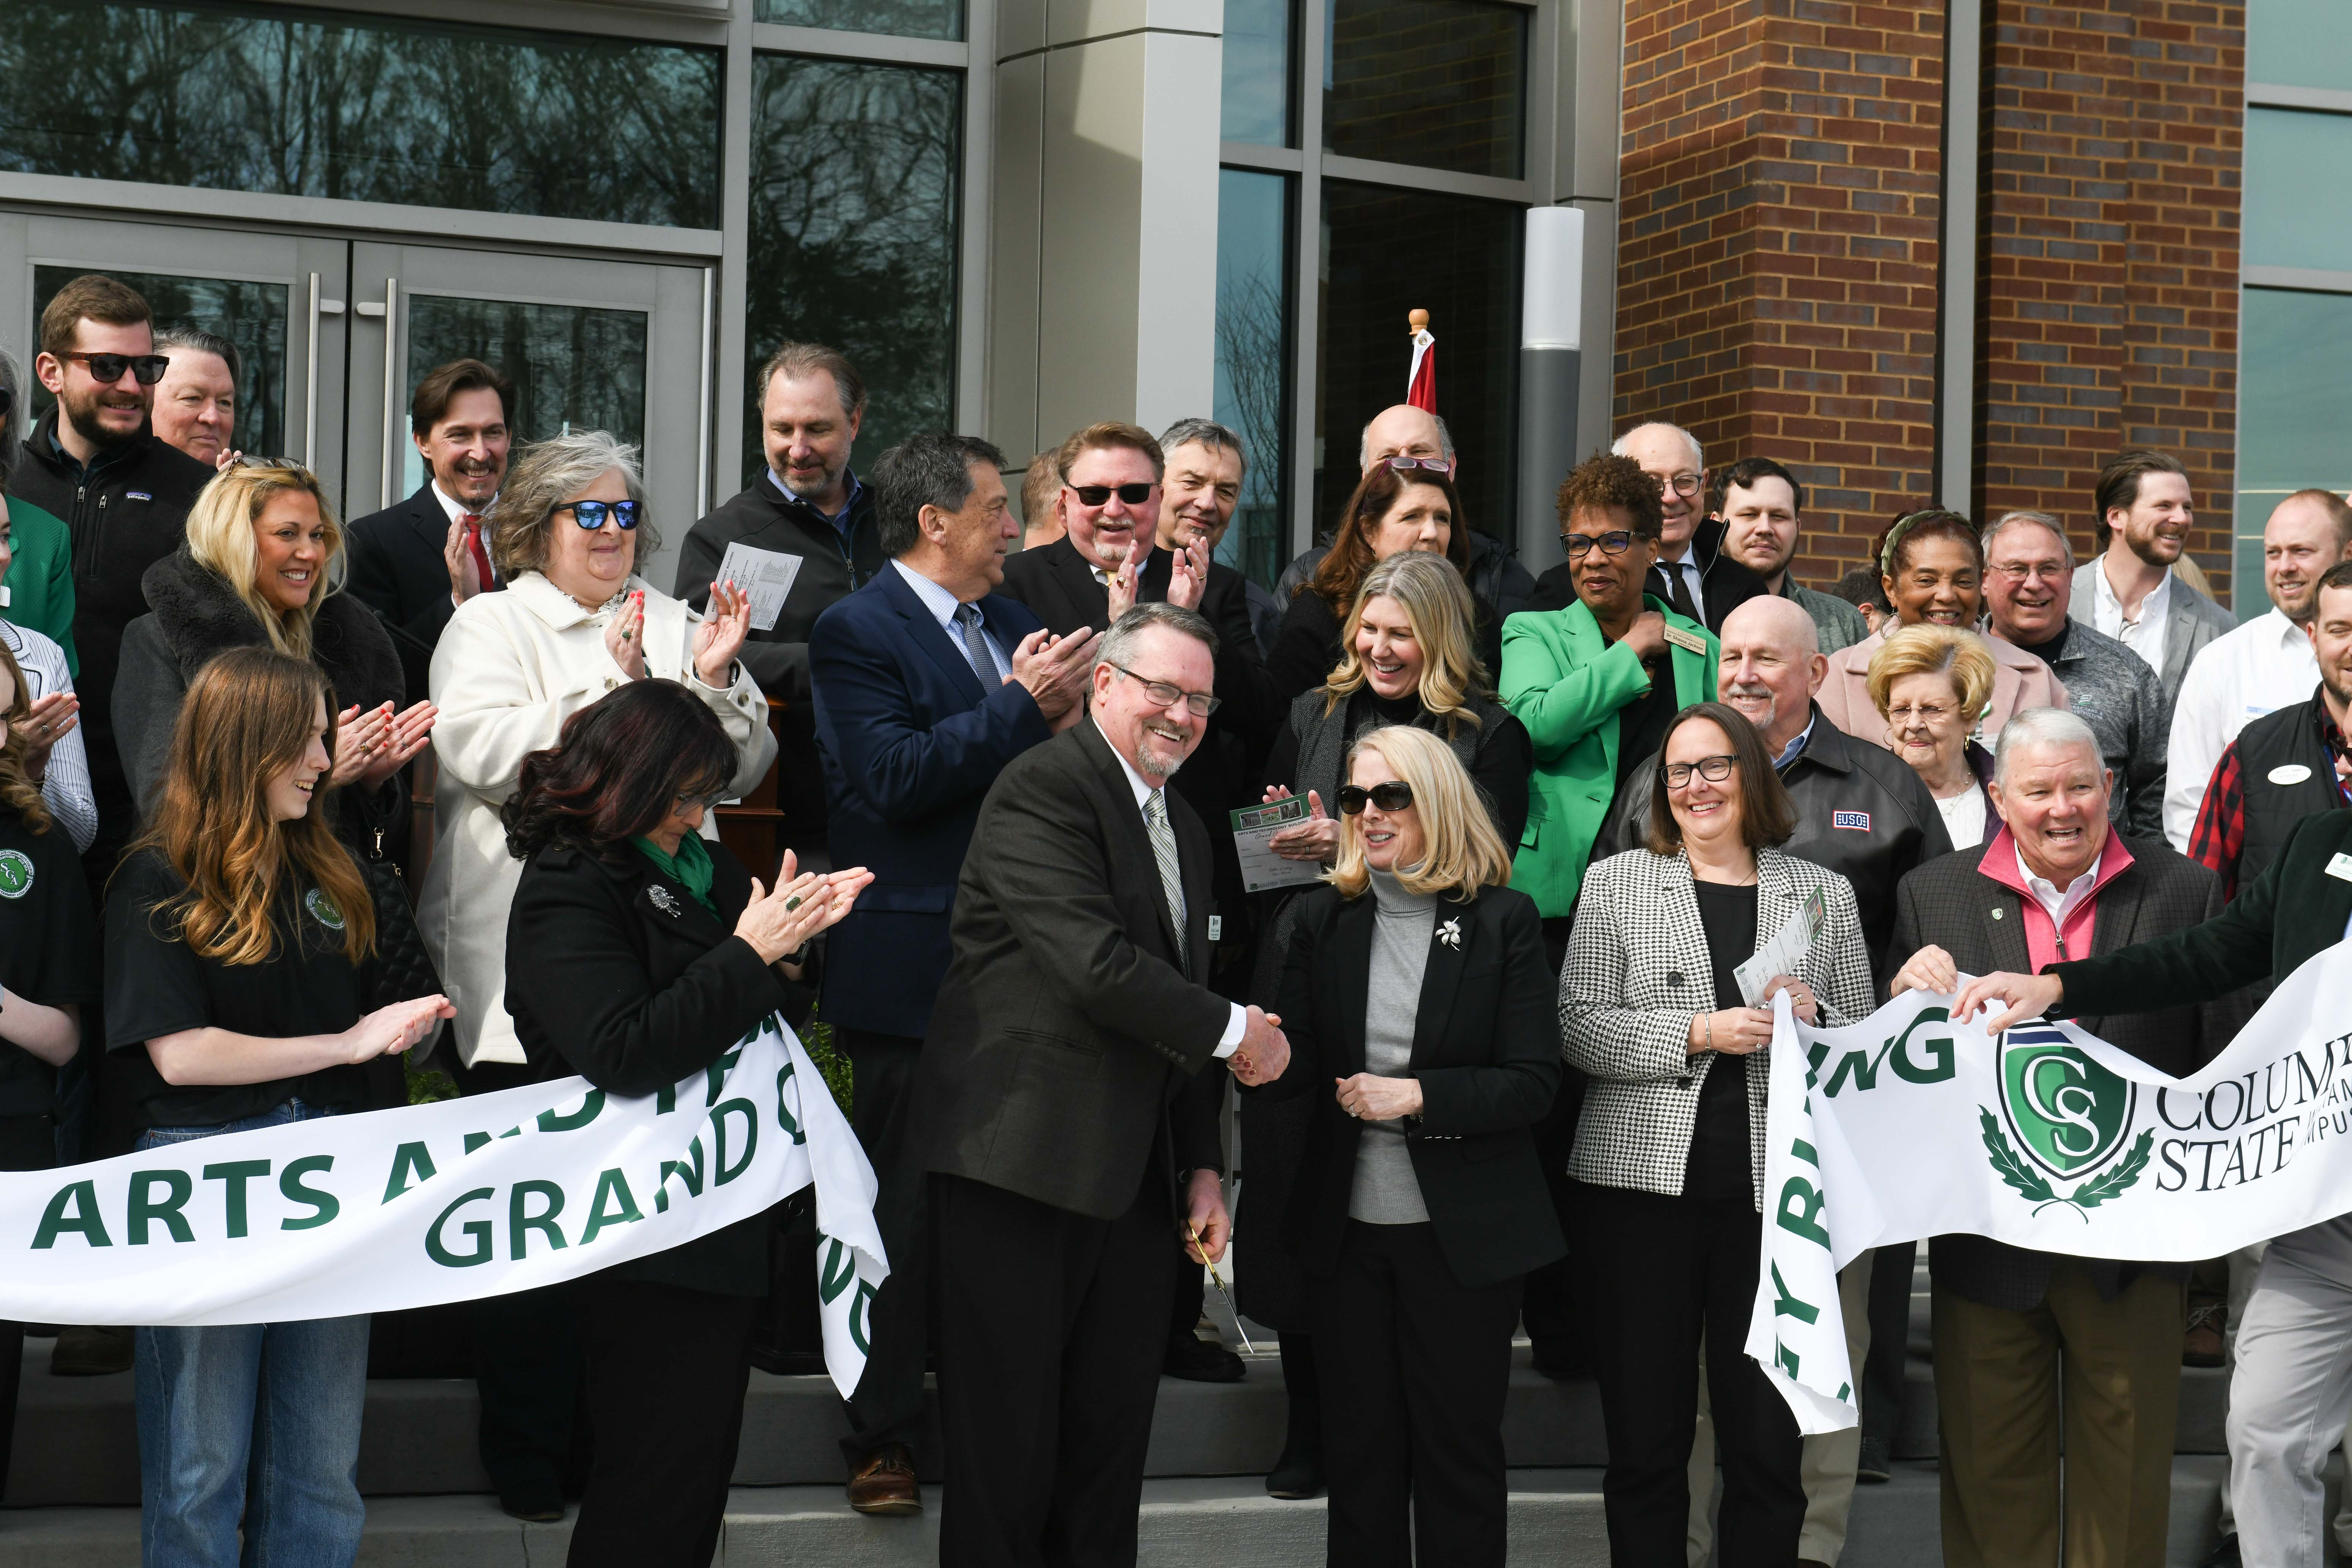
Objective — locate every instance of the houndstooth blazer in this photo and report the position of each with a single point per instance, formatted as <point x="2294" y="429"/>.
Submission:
<point x="1638" y="970"/>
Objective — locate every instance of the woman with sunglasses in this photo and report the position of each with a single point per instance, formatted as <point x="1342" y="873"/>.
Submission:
<point x="1425" y="1038"/>
<point x="1669" y="1154"/>
<point x="1931" y="570"/>
<point x="1401" y="504"/>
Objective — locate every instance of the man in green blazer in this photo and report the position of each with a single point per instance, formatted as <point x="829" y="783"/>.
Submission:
<point x="1596" y="682"/>
<point x="2296" y="1334"/>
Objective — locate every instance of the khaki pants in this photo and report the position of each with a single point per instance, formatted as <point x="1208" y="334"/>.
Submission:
<point x="1830" y="1459"/>
<point x="1997" y="1392"/>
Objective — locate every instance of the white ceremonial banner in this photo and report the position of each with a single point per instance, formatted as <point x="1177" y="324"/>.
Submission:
<point x="471" y="1197"/>
<point x="1908" y="1125"/>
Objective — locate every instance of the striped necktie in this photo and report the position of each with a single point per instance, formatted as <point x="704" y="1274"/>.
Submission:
<point x="1171" y="877"/>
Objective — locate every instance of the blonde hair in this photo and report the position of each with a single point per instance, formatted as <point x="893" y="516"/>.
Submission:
<point x="1437" y="605"/>
<point x="1927" y="648"/>
<point x="1461" y="851"/>
<point x="221" y="538"/>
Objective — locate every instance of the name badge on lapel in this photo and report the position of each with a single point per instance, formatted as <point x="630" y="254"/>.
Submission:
<point x="662" y="900"/>
<point x="2340" y="865"/>
<point x="1683" y="639"/>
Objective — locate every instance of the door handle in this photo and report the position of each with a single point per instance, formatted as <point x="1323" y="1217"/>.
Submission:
<point x="391" y="315"/>
<point x="310" y="391"/>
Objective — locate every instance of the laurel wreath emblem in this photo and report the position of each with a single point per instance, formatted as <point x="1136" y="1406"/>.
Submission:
<point x="2015" y="1172"/>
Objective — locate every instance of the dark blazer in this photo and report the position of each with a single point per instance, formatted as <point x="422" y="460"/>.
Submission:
<point x="911" y="743"/>
<point x="399" y="571"/>
<point x="1486" y="1050"/>
<point x="1063" y="1039"/>
<point x="604" y="982"/>
<point x="1950" y="904"/>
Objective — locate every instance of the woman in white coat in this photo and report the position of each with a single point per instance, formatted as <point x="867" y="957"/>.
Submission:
<point x="573" y="623"/>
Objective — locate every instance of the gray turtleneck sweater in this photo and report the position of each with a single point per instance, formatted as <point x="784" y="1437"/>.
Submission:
<point x="1386" y="1191"/>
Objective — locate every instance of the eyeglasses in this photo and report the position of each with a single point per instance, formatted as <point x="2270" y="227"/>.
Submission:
<point x="1200" y="703"/>
<point x="2019" y="572"/>
<point x="1616" y="541"/>
<point x="1714" y="770"/>
<point x="1393" y="796"/>
<point x="1682" y="485"/>
<point x="1928" y="714"/>
<point x="591" y="514"/>
<point x="686" y="803"/>
<point x="1099" y="495"/>
<point x="108" y="368"/>
<point x="1434" y="465"/>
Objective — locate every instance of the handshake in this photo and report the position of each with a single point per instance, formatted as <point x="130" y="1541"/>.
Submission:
<point x="1263" y="1052"/>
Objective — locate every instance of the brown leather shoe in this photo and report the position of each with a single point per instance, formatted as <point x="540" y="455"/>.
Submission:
<point x="2201" y="1345"/>
<point x="885" y="1483"/>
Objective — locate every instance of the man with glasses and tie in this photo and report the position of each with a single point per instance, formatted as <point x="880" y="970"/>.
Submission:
<point x="927" y="682"/>
<point x="1071" y="1174"/>
<point x="1693" y="574"/>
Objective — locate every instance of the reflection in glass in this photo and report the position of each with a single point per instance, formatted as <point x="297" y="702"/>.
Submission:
<point x="2294" y="402"/>
<point x="573" y="368"/>
<point x="1441" y="83"/>
<point x="2299" y="43"/>
<point x="245" y="97"/>
<point x="1253" y="382"/>
<point x="1256" y="101"/>
<point x="250" y="315"/>
<point x="854" y="216"/>
<point x="900" y="18"/>
<point x="2292" y="219"/>
<point x="1386" y="252"/>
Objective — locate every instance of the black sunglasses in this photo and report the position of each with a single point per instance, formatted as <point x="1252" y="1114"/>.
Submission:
<point x="1616" y="541"/>
<point x="1097" y="495"/>
<point x="106" y="369"/>
<point x="1393" y="796"/>
<point x="591" y="514"/>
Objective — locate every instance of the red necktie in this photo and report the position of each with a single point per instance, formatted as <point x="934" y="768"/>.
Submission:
<point x="473" y="521"/>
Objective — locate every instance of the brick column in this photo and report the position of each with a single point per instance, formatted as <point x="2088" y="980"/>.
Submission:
<point x="1778" y="247"/>
<point x="2108" y="313"/>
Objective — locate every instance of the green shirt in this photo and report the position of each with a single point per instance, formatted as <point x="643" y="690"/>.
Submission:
<point x="40" y="578"/>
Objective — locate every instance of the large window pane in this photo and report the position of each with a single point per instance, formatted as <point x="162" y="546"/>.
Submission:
<point x="574" y="367"/>
<point x="854" y="216"/>
<point x="1441" y="83"/>
<point x="2295" y="403"/>
<point x="250" y="315"/>
<point x="1386" y="252"/>
<point x="1254" y="359"/>
<point x="322" y="103"/>
<point x="1256" y="93"/>
<point x="2299" y="43"/>
<point x="2295" y="216"/>
<point x="901" y="18"/>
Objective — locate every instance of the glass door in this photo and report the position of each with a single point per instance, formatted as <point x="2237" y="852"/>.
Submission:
<point x="615" y="347"/>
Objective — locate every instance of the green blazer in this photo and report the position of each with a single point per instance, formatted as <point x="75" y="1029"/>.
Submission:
<point x="1565" y="682"/>
<point x="2294" y="909"/>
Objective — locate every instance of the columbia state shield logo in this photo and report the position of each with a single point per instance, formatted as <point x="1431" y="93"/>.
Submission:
<point x="15" y="874"/>
<point x="2068" y="1115"/>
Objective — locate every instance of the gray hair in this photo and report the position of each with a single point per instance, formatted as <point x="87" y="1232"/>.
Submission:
<point x="195" y="339"/>
<point x="1126" y="633"/>
<point x="1364" y="440"/>
<point x="2008" y="520"/>
<point x="930" y="469"/>
<point x="542" y="477"/>
<point x="11" y="383"/>
<point x="1196" y="432"/>
<point x="1699" y="453"/>
<point x="2043" y="727"/>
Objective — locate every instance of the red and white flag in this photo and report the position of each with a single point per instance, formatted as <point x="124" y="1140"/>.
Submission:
<point x="1420" y="382"/>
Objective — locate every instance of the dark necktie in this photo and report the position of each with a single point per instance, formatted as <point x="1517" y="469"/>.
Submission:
<point x="1679" y="591"/>
<point x="975" y="646"/>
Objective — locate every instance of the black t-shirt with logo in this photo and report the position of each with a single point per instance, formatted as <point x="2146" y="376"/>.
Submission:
<point x="47" y="947"/>
<point x="157" y="985"/>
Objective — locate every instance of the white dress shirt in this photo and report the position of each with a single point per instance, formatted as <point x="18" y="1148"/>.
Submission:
<point x="2058" y="905"/>
<point x="2144" y="636"/>
<point x="2264" y="664"/>
<point x="1238" y="1024"/>
<point x="943" y="607"/>
<point x="1964" y="818"/>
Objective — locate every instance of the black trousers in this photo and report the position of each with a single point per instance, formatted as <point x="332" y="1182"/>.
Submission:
<point x="1416" y="1369"/>
<point x="888" y="1406"/>
<point x="27" y="1143"/>
<point x="1553" y="1307"/>
<point x="1890" y="1341"/>
<point x="1052" y="1327"/>
<point x="667" y="1371"/>
<point x="1678" y="1267"/>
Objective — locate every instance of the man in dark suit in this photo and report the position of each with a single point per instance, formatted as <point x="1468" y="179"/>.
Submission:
<point x="927" y="681"/>
<point x="2057" y="880"/>
<point x="414" y="564"/>
<point x="1069" y="1166"/>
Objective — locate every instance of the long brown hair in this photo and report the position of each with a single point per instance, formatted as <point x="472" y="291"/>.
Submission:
<point x="245" y="718"/>
<point x="1343" y="566"/>
<point x="19" y="793"/>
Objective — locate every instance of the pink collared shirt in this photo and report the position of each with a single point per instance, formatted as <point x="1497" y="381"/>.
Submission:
<point x="2058" y="923"/>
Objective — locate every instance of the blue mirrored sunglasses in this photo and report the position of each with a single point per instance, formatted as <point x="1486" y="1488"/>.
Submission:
<point x="591" y="514"/>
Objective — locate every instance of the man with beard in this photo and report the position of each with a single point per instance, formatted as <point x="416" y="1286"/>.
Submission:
<point x="414" y="564"/>
<point x="124" y="496"/>
<point x="2130" y="593"/>
<point x="2261" y="665"/>
<point x="1761" y="505"/>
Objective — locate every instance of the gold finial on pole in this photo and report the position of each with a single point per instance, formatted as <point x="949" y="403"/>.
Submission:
<point x="1417" y="323"/>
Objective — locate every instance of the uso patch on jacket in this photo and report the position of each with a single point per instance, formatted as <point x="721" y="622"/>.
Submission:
<point x="1858" y="820"/>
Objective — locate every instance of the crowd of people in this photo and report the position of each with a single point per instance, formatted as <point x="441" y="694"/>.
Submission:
<point x="1496" y="1068"/>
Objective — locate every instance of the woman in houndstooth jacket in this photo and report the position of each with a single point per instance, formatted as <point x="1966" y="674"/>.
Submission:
<point x="1670" y="1151"/>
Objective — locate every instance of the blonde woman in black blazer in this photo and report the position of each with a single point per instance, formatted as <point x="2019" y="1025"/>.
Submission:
<point x="1669" y="1154"/>
<point x="1418" y="1004"/>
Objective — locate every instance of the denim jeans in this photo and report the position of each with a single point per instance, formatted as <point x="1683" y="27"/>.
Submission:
<point x="250" y="1429"/>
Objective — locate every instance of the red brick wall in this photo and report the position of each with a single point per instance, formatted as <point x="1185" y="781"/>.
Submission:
<point x="1777" y="245"/>
<point x="2108" y="232"/>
